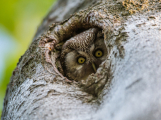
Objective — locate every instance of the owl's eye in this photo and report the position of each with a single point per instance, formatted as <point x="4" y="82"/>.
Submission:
<point x="81" y="60"/>
<point x="98" y="53"/>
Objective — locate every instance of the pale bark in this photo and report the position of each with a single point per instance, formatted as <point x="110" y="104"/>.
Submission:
<point x="134" y="79"/>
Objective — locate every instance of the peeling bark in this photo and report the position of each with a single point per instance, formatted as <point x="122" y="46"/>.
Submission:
<point x="131" y="74"/>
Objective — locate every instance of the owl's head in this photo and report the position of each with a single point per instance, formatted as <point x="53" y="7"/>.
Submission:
<point x="80" y="64"/>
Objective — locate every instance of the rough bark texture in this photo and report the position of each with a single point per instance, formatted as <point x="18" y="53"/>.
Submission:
<point x="132" y="70"/>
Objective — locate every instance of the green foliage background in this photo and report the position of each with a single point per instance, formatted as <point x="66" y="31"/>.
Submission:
<point x="20" y="18"/>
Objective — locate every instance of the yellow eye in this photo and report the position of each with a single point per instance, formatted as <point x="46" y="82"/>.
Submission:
<point x="81" y="60"/>
<point x="98" y="53"/>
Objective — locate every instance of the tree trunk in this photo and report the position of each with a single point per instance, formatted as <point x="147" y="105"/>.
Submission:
<point x="131" y="73"/>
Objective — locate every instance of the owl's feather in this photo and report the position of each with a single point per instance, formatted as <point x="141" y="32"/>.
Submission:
<point x="82" y="45"/>
<point x="80" y="42"/>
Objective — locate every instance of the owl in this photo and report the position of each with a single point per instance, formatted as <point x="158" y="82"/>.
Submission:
<point x="82" y="54"/>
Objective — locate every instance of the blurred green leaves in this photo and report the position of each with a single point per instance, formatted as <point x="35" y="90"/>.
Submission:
<point x="22" y="15"/>
<point x="20" y="19"/>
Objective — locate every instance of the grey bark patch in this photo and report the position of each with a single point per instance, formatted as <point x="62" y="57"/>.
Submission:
<point x="133" y="83"/>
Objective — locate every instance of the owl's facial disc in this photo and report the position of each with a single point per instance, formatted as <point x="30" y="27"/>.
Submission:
<point x="83" y="61"/>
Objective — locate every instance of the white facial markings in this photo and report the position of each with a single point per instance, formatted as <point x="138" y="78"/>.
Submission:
<point x="79" y="67"/>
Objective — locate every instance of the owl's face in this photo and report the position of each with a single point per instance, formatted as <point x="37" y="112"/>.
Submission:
<point x="79" y="64"/>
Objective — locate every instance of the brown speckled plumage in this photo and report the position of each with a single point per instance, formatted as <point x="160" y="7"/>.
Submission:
<point x="81" y="42"/>
<point x="83" y="45"/>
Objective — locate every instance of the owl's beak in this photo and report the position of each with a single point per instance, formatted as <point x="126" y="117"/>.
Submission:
<point x="94" y="67"/>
